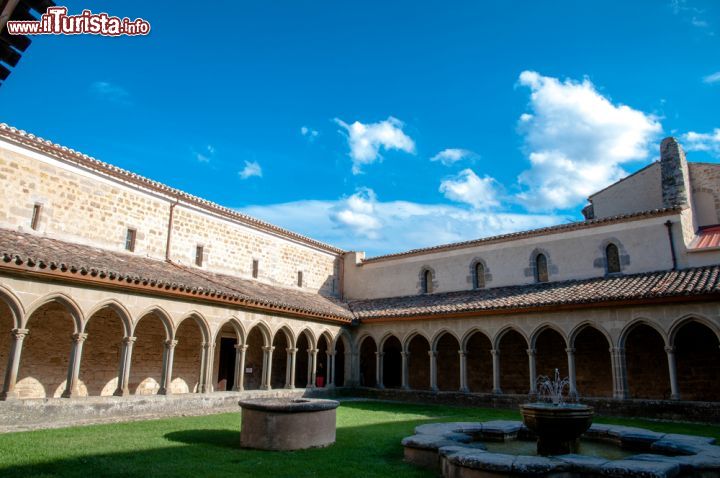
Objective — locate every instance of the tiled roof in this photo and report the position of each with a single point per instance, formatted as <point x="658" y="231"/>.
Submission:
<point x="701" y="281"/>
<point x="707" y="238"/>
<point x="77" y="158"/>
<point x="31" y="253"/>
<point x="531" y="233"/>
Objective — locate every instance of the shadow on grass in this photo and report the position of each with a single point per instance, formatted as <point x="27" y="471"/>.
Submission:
<point x="217" y="438"/>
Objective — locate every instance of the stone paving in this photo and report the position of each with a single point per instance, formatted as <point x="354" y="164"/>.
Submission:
<point x="459" y="448"/>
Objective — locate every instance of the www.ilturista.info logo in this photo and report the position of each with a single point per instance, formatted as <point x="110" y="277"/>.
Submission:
<point x="56" y="21"/>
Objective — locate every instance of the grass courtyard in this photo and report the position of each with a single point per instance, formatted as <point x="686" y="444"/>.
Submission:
<point x="368" y="445"/>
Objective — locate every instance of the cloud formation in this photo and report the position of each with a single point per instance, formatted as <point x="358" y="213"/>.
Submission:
<point x="467" y="187"/>
<point x="708" y="142"/>
<point x="713" y="78"/>
<point x="309" y="133"/>
<point x="205" y="154"/>
<point x="252" y="168"/>
<point x="452" y="155"/>
<point x="366" y="140"/>
<point x="577" y="141"/>
<point x="365" y="223"/>
<point x="110" y="92"/>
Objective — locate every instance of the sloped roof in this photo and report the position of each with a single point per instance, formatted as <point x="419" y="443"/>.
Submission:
<point x="63" y="260"/>
<point x="701" y="281"/>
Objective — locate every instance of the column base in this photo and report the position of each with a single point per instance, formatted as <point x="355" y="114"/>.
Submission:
<point x="289" y="387"/>
<point x="70" y="394"/>
<point x="675" y="396"/>
<point x="497" y="391"/>
<point x="121" y="392"/>
<point x="11" y="395"/>
<point x="464" y="390"/>
<point x="434" y="389"/>
<point x="163" y="391"/>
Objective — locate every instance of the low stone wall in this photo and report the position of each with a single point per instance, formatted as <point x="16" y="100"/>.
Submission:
<point x="20" y="415"/>
<point x="705" y="412"/>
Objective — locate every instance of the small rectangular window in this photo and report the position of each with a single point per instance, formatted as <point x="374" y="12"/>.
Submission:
<point x="130" y="240"/>
<point x="256" y="268"/>
<point x="35" y="221"/>
<point x="300" y="279"/>
<point x="199" y="255"/>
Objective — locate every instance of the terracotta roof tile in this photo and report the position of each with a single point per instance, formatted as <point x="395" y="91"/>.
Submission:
<point x="40" y="254"/>
<point x="651" y="285"/>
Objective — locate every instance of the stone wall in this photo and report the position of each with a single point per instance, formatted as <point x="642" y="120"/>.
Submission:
<point x="81" y="206"/>
<point x="705" y="186"/>
<point x="101" y="354"/>
<point x="635" y="193"/>
<point x="146" y="369"/>
<point x="188" y="356"/>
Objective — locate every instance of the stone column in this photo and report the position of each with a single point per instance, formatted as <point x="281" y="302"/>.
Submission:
<point x="405" y="372"/>
<point x="619" y="370"/>
<point x="239" y="384"/>
<point x="72" y="389"/>
<point x="672" y="368"/>
<point x="353" y="360"/>
<point x="463" y="372"/>
<point x="267" y="368"/>
<point x="123" y="389"/>
<point x="433" y="370"/>
<point x="532" y="365"/>
<point x="313" y="370"/>
<point x="310" y="383"/>
<point x="11" y="372"/>
<point x="379" y="369"/>
<point x="168" y="358"/>
<point x="207" y="360"/>
<point x="328" y="367"/>
<point x="331" y="370"/>
<point x="290" y="372"/>
<point x="572" y="378"/>
<point x="496" y="371"/>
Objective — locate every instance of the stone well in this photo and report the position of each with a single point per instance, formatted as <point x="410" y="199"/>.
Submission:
<point x="287" y="424"/>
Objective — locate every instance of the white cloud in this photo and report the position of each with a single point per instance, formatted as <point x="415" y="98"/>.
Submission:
<point x="365" y="140"/>
<point x="452" y="155"/>
<point x="309" y="133"/>
<point x="252" y="168"/>
<point x="467" y="187"/>
<point x="205" y="154"/>
<point x="361" y="222"/>
<point x="713" y="78"/>
<point x="709" y="142"/>
<point x="577" y="141"/>
<point x="110" y="92"/>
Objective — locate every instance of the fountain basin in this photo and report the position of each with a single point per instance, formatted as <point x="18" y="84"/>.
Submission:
<point x="557" y="427"/>
<point x="287" y="424"/>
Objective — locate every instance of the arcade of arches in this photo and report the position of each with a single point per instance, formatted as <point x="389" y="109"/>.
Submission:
<point x="51" y="348"/>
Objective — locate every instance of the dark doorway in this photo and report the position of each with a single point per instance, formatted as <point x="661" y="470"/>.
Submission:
<point x="226" y="367"/>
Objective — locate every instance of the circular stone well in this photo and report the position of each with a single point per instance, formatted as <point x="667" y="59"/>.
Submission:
<point x="287" y="424"/>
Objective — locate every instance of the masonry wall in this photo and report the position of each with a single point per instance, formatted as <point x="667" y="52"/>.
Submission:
<point x="101" y="354"/>
<point x="81" y="206"/>
<point x="578" y="254"/>
<point x="636" y="193"/>
<point x="705" y="188"/>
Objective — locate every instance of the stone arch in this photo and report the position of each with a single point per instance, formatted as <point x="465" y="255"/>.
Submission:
<point x="121" y="311"/>
<point x="427" y="280"/>
<point x="15" y="307"/>
<point x="509" y="328"/>
<point x="511" y="346"/>
<point x="305" y="342"/>
<point x="152" y="330"/>
<point x="550" y="344"/>
<point x="417" y="346"/>
<point x="258" y="337"/>
<point x="343" y="350"/>
<point x="229" y="336"/>
<point x="187" y="371"/>
<point x="282" y="341"/>
<point x="201" y="322"/>
<point x="477" y="346"/>
<point x="410" y="336"/>
<point x="438" y="335"/>
<point x="66" y="301"/>
<point x="367" y="350"/>
<point x="324" y="360"/>
<point x="476" y="281"/>
<point x="646" y="360"/>
<point x="106" y="326"/>
<point x="680" y="322"/>
<point x="542" y="328"/>
<point x="391" y="348"/>
<point x="310" y="335"/>
<point x="446" y="346"/>
<point x="697" y="357"/>
<point x="53" y="320"/>
<point x="593" y="363"/>
<point x="582" y="326"/>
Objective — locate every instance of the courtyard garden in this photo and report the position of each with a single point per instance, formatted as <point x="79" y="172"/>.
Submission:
<point x="368" y="445"/>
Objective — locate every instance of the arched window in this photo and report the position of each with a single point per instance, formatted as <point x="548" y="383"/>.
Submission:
<point x="541" y="269"/>
<point x="612" y="258"/>
<point x="427" y="282"/>
<point x="479" y="276"/>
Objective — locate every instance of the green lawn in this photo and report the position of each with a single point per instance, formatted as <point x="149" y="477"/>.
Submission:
<point x="368" y="444"/>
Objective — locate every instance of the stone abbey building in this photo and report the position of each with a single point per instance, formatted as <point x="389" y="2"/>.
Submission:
<point x="114" y="284"/>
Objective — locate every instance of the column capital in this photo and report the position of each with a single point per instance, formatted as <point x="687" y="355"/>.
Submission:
<point x="617" y="350"/>
<point x="314" y="351"/>
<point x="404" y="354"/>
<point x="462" y="353"/>
<point x="20" y="333"/>
<point x="268" y="348"/>
<point x="79" y="337"/>
<point x="495" y="352"/>
<point x="432" y="353"/>
<point x="379" y="354"/>
<point x="669" y="349"/>
<point x="241" y="347"/>
<point x="570" y="350"/>
<point x="291" y="350"/>
<point x="129" y="340"/>
<point x="531" y="351"/>
<point x="171" y="344"/>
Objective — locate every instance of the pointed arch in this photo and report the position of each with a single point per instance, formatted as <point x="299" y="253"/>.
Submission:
<point x="237" y="326"/>
<point x="439" y="335"/>
<point x="116" y="307"/>
<point x="289" y="335"/>
<point x="542" y="328"/>
<point x="65" y="301"/>
<point x="640" y="321"/>
<point x="343" y="336"/>
<point x="684" y="320"/>
<point x="13" y="303"/>
<point x="264" y="330"/>
<point x="503" y="331"/>
<point x="161" y="314"/>
<point x="468" y="335"/>
<point x="593" y="362"/>
<point x="385" y="338"/>
<point x="201" y="322"/>
<point x="309" y="335"/>
<point x="584" y="325"/>
<point x="410" y="336"/>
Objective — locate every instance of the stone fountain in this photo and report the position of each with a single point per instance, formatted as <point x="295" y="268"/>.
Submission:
<point x="557" y="424"/>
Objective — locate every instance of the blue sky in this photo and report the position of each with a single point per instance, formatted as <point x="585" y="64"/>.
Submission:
<point x="383" y="126"/>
